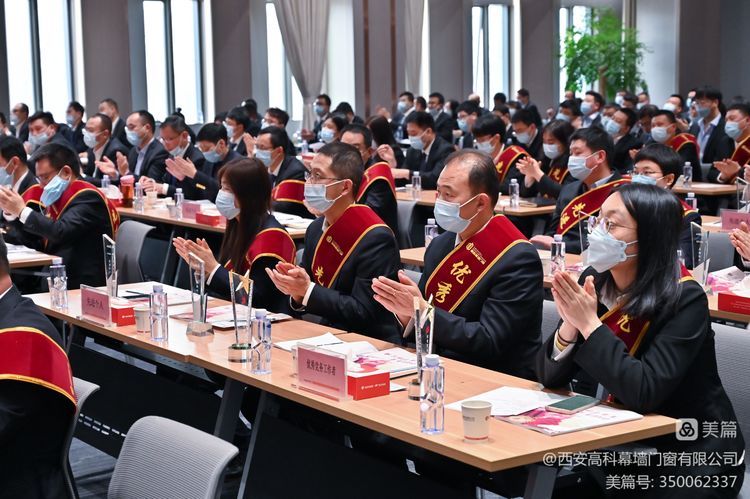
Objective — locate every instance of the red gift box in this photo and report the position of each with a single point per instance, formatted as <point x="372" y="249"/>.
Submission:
<point x="730" y="302"/>
<point x="213" y="220"/>
<point x="122" y="314"/>
<point x="365" y="386"/>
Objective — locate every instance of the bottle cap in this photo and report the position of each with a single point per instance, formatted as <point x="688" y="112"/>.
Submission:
<point x="431" y="221"/>
<point x="260" y="313"/>
<point x="57" y="261"/>
<point x="158" y="288"/>
<point x="558" y="238"/>
<point x="432" y="360"/>
<point x="691" y="194"/>
<point x="513" y="181"/>
<point x="415" y="174"/>
<point x="179" y="189"/>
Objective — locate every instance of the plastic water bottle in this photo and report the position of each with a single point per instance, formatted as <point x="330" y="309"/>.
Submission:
<point x="430" y="231"/>
<point x="179" y="197"/>
<point x="416" y="186"/>
<point x="691" y="200"/>
<point x="515" y="196"/>
<point x="687" y="175"/>
<point x="399" y="134"/>
<point x="305" y="147"/>
<point x="557" y="255"/>
<point x="139" y="202"/>
<point x="431" y="393"/>
<point x="105" y="183"/>
<point x="159" y="314"/>
<point x="681" y="257"/>
<point x="261" y="341"/>
<point x="58" y="285"/>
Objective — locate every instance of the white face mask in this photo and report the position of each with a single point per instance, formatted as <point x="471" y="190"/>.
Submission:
<point x="448" y="215"/>
<point x="605" y="250"/>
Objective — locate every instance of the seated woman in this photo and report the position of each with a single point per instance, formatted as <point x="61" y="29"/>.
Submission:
<point x="253" y="241"/>
<point x="657" y="164"/>
<point x="383" y="141"/>
<point x="643" y="332"/>
<point x="331" y="129"/>
<point x="547" y="177"/>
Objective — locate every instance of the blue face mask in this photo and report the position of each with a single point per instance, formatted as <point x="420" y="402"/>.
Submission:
<point x="39" y="140"/>
<point x="230" y="130"/>
<point x="89" y="139"/>
<point x="53" y="190"/>
<point x="523" y="138"/>
<point x="264" y="157"/>
<point x="402" y="107"/>
<point x="605" y="251"/>
<point x="416" y="142"/>
<point x="703" y="111"/>
<point x="319" y="110"/>
<point x="639" y="178"/>
<point x="586" y="107"/>
<point x="577" y="167"/>
<point x="612" y="127"/>
<point x="133" y="137"/>
<point x="732" y="129"/>
<point x="435" y="111"/>
<point x="485" y="147"/>
<point x="327" y="135"/>
<point x="660" y="134"/>
<point x="552" y="151"/>
<point x="563" y="117"/>
<point x="463" y="126"/>
<point x="315" y="196"/>
<point x="225" y="205"/>
<point x="448" y="215"/>
<point x="6" y="179"/>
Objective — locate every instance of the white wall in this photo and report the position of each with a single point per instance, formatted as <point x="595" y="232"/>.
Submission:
<point x="658" y="27"/>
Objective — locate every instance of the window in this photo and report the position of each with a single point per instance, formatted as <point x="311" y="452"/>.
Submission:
<point x="40" y="69"/>
<point x="173" y="36"/>
<point x="490" y="47"/>
<point x="338" y="81"/>
<point x="571" y="17"/>
<point x="283" y="91"/>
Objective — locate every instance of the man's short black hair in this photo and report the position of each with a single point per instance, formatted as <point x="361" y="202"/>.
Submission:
<point x="251" y="106"/>
<point x="469" y="107"/>
<point x="146" y="118"/>
<point x="647" y="111"/>
<point x="111" y="103"/>
<point x="45" y="116"/>
<point x="279" y="138"/>
<point x="523" y="92"/>
<point x="708" y="92"/>
<point x="742" y="107"/>
<point x="278" y="114"/>
<point x="668" y="114"/>
<point x="346" y="162"/>
<point x="344" y="108"/>
<point x="174" y="122"/>
<point x="572" y="105"/>
<point x="680" y="98"/>
<point x="597" y="97"/>
<point x="489" y="125"/>
<point x="500" y="97"/>
<point x="326" y="99"/>
<point x="105" y="120"/>
<point x="438" y="96"/>
<point x="24" y="108"/>
<point x="422" y="119"/>
<point x="359" y="130"/>
<point x="77" y="107"/>
<point x="523" y="116"/>
<point x="212" y="132"/>
<point x="630" y="117"/>
<point x="630" y="98"/>
<point x="58" y="156"/>
<point x="408" y="95"/>
<point x="664" y="156"/>
<point x="483" y="174"/>
<point x="239" y="115"/>
<point x="11" y="147"/>
<point x="596" y="140"/>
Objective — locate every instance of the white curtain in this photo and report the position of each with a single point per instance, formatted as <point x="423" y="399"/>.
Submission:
<point x="413" y="17"/>
<point x="304" y="29"/>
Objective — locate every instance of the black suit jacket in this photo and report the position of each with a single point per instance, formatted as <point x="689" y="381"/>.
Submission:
<point x="76" y="236"/>
<point x="572" y="238"/>
<point x="206" y="182"/>
<point x="240" y="147"/>
<point x="497" y="325"/>
<point x="34" y="420"/>
<point x="673" y="372"/>
<point x="189" y="189"/>
<point x="291" y="169"/>
<point x="718" y="148"/>
<point x="622" y="160"/>
<point x="349" y="303"/>
<point x="265" y="293"/>
<point x="118" y="132"/>
<point x="430" y="169"/>
<point x="78" y="143"/>
<point x="111" y="148"/>
<point x="534" y="148"/>
<point x="27" y="182"/>
<point x="153" y="165"/>
<point x="444" y="125"/>
<point x="22" y="133"/>
<point x="467" y="142"/>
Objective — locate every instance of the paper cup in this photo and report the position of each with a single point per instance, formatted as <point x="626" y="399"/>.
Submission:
<point x="476" y="416"/>
<point x="142" y="322"/>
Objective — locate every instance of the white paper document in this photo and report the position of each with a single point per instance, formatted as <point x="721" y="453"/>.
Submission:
<point x="510" y="401"/>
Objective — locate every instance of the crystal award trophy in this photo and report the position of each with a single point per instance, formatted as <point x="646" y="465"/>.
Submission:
<point x="110" y="265"/>
<point x="241" y="291"/>
<point x="198" y="326"/>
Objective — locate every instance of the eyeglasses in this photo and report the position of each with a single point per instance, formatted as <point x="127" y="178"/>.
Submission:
<point x="315" y="178"/>
<point x="605" y="223"/>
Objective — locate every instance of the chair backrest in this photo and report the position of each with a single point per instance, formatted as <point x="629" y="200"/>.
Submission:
<point x="732" y="352"/>
<point x="129" y="240"/>
<point x="164" y="459"/>
<point x="405" y="220"/>
<point x="550" y="319"/>
<point x="83" y="390"/>
<point x="720" y="251"/>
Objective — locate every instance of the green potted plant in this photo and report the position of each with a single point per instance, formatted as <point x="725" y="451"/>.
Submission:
<point x="606" y="52"/>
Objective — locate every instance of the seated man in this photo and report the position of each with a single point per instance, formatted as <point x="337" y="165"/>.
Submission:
<point x="212" y="142"/>
<point x="427" y="153"/>
<point x="483" y="275"/>
<point x="664" y="131"/>
<point x="590" y="150"/>
<point x="147" y="157"/>
<point x="101" y="144"/>
<point x="43" y="130"/>
<point x="37" y="402"/>
<point x="287" y="173"/>
<point x="619" y="128"/>
<point x="527" y="135"/>
<point x="378" y="189"/>
<point x="489" y="133"/>
<point x="63" y="216"/>
<point x="14" y="171"/>
<point x="236" y="123"/>
<point x="345" y="249"/>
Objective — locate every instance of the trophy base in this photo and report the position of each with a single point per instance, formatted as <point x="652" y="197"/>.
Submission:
<point x="239" y="352"/>
<point x="199" y="329"/>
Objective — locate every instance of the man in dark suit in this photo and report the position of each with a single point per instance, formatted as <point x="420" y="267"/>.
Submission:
<point x="570" y="218"/>
<point x="404" y="108"/>
<point x="489" y="131"/>
<point x="488" y="311"/>
<point x="664" y="130"/>
<point x="237" y="122"/>
<point x="174" y="136"/>
<point x="37" y="401"/>
<point x="212" y="141"/>
<point x="322" y="112"/>
<point x="524" y="99"/>
<point x="345" y="249"/>
<point x="714" y="144"/>
<point x="377" y="190"/>
<point x="19" y="118"/>
<point x="444" y="123"/>
<point x="63" y="216"/>
<point x="468" y="113"/>
<point x="109" y="107"/>
<point x="527" y="133"/>
<point x="427" y="153"/>
<point x="44" y="130"/>
<point x="74" y="119"/>
<point x="286" y="172"/>
<point x="101" y="144"/>
<point x="618" y="127"/>
<point x="13" y="164"/>
<point x="147" y="157"/>
<point x="591" y="107"/>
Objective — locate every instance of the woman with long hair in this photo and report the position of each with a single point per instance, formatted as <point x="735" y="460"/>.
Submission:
<point x="382" y="138"/>
<point x="546" y="178"/>
<point x="253" y="241"/>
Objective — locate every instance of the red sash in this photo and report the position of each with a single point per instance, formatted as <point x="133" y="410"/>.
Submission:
<point x="461" y="270"/>
<point x="687" y="209"/>
<point x="29" y="355"/>
<point x="682" y="139"/>
<point x="742" y="153"/>
<point x="339" y="240"/>
<point x="588" y="203"/>
<point x="558" y="173"/>
<point x="292" y="191"/>
<point x="507" y="157"/>
<point x="378" y="171"/>
<point x="273" y="242"/>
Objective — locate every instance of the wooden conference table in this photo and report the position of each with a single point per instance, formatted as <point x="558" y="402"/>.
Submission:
<point x="29" y="259"/>
<point x="705" y="189"/>
<point x="393" y="415"/>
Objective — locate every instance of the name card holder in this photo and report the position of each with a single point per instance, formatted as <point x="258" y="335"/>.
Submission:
<point x="731" y="219"/>
<point x="322" y="371"/>
<point x="95" y="306"/>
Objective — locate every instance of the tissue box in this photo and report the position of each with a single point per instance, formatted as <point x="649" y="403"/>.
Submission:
<point x="365" y="386"/>
<point x="730" y="302"/>
<point x="212" y="219"/>
<point x="122" y="313"/>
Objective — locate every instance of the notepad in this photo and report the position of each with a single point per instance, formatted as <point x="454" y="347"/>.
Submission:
<point x="327" y="339"/>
